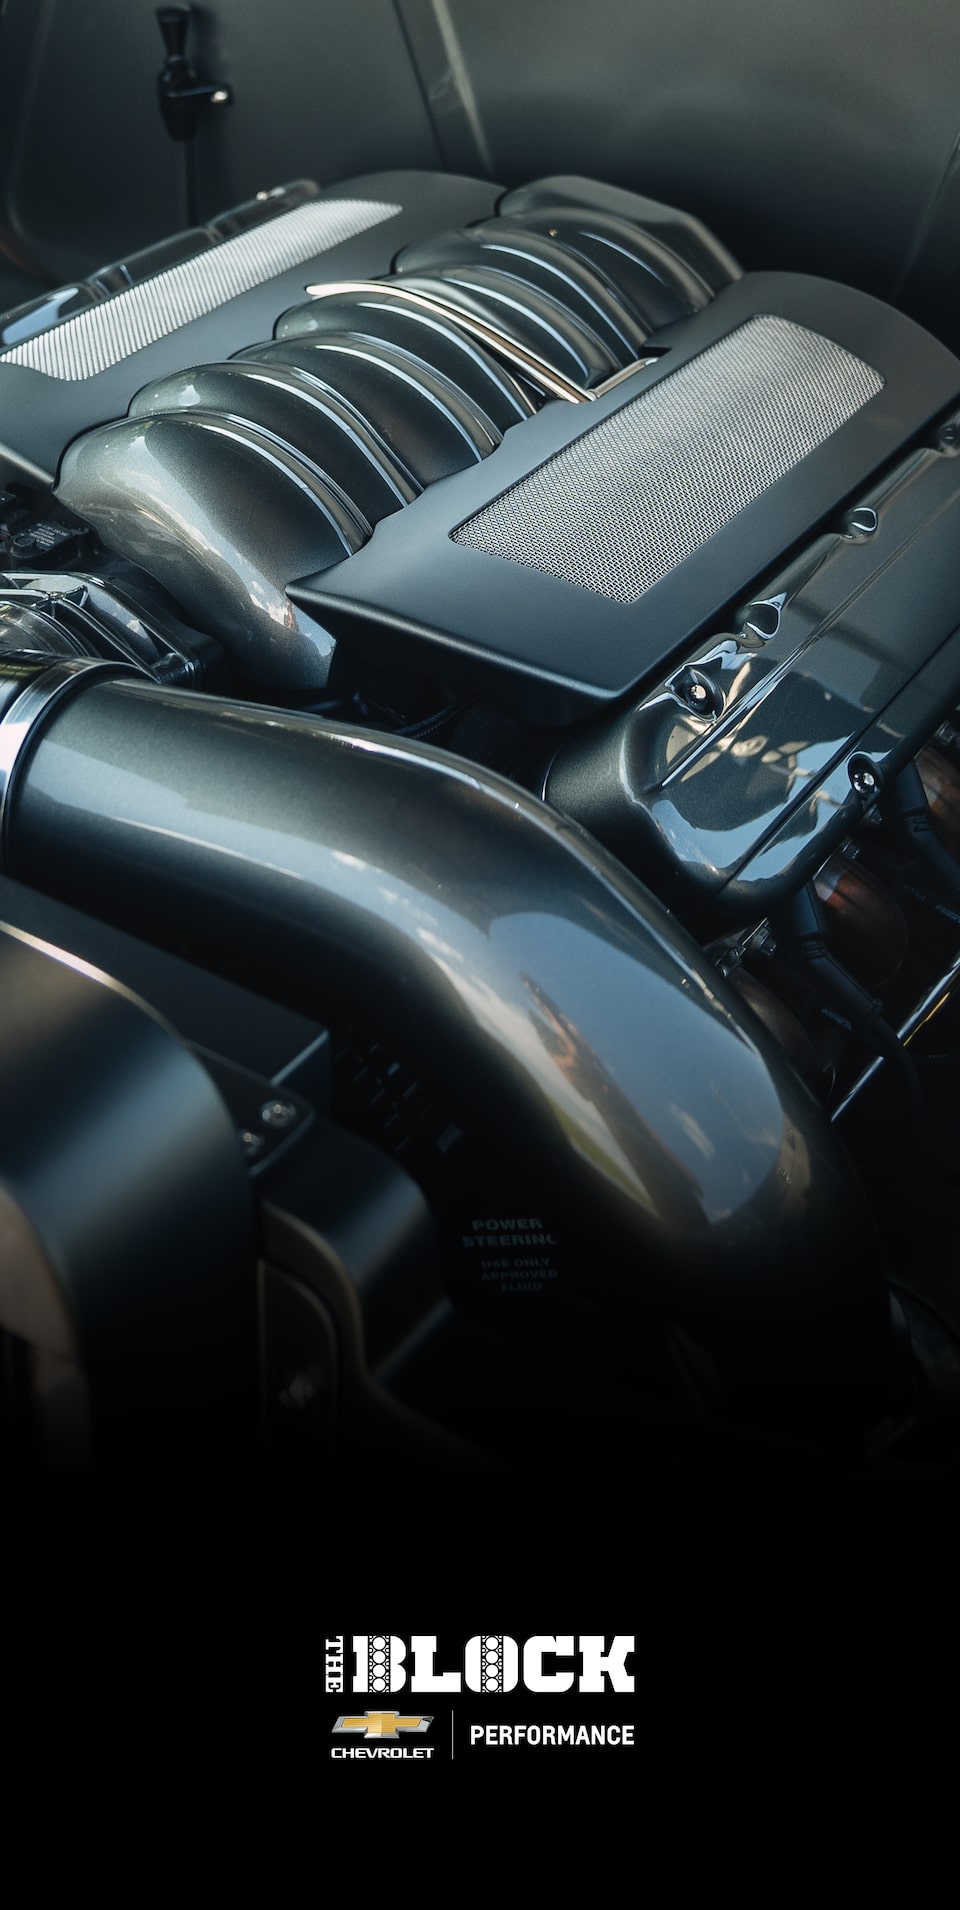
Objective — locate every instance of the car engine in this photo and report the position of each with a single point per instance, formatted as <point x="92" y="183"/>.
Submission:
<point x="478" y="675"/>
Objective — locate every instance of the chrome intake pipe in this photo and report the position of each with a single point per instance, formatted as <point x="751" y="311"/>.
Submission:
<point x="561" y="1004"/>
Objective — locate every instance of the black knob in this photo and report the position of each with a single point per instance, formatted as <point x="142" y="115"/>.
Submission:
<point x="181" y="94"/>
<point x="174" y="24"/>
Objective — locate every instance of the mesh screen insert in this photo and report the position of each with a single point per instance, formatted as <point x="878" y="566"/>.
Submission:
<point x="106" y="334"/>
<point x="645" y="488"/>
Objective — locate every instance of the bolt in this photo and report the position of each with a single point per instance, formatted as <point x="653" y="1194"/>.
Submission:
<point x="861" y="522"/>
<point x="763" y="617"/>
<point x="864" y="781"/>
<point x="252" y="1143"/>
<point x="278" y="1114"/>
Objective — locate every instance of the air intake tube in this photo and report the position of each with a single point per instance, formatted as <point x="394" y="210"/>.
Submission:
<point x="560" y="1002"/>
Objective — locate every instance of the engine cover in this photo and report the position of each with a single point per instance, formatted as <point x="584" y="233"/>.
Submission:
<point x="599" y="541"/>
<point x="74" y="358"/>
<point x="563" y="458"/>
<point x="534" y="463"/>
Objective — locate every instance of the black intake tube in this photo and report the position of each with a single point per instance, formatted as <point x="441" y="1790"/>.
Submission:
<point x="801" y="927"/>
<point x="906" y="811"/>
<point x="563" y="1006"/>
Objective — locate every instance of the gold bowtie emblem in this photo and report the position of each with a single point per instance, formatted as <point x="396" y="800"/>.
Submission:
<point x="381" y="1724"/>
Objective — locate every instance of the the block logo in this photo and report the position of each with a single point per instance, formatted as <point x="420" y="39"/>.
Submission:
<point x="380" y="1664"/>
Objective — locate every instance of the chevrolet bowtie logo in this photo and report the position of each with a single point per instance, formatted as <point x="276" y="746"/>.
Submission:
<point x="380" y="1724"/>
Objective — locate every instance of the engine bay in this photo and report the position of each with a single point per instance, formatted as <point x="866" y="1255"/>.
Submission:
<point x="495" y="630"/>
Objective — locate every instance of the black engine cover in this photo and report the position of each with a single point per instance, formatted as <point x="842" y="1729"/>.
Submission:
<point x="578" y="561"/>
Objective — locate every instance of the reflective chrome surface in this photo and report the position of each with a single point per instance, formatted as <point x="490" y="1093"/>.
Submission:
<point x="300" y="411"/>
<point x="530" y="319"/>
<point x="649" y="276"/>
<point x="430" y="423"/>
<point x="223" y="517"/>
<point x="479" y="323"/>
<point x="499" y="251"/>
<point x="732" y="808"/>
<point x="21" y="717"/>
<point x="550" y="990"/>
<point x="446" y="345"/>
<point x="75" y="614"/>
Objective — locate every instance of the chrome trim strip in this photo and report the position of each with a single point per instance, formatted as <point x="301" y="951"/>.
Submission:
<point x="529" y="363"/>
<point x="625" y="372"/>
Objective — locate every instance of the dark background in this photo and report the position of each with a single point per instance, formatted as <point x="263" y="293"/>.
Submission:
<point x="816" y="137"/>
